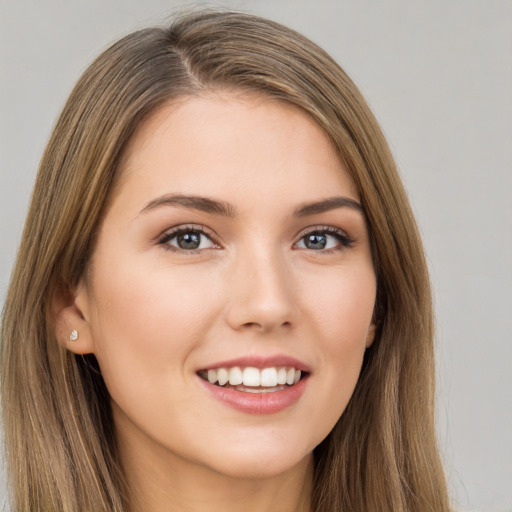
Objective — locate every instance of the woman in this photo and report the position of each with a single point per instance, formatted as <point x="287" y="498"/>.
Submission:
<point x="220" y="299"/>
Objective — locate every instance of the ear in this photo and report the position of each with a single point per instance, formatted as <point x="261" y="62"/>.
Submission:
<point x="371" y="335"/>
<point x="71" y="320"/>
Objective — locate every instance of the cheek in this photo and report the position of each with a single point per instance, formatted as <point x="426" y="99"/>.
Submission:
<point x="343" y="313"/>
<point x="344" y="307"/>
<point x="146" y="323"/>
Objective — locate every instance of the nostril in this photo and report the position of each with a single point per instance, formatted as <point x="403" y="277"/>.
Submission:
<point x="264" y="326"/>
<point x="252" y="324"/>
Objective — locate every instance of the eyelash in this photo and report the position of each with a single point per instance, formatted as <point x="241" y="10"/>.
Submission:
<point x="168" y="236"/>
<point x="344" y="241"/>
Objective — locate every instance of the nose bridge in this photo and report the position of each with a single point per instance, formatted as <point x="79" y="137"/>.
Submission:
<point x="262" y="294"/>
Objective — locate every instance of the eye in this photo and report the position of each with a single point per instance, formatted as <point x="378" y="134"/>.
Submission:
<point x="325" y="239"/>
<point x="187" y="239"/>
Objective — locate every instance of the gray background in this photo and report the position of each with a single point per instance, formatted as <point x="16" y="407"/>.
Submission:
<point x="438" y="75"/>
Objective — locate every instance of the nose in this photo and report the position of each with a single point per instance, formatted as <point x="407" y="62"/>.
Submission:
<point x="261" y="294"/>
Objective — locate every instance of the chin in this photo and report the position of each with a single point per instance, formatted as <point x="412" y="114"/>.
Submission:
<point x="260" y="468"/>
<point x="257" y="462"/>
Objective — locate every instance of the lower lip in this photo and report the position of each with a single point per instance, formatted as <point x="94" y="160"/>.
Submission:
<point x="257" y="403"/>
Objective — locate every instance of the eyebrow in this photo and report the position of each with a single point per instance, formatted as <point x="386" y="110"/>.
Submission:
<point x="213" y="206"/>
<point x="200" y="203"/>
<point x="325" y="205"/>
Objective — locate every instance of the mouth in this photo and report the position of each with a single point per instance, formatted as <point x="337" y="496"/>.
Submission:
<point x="250" y="379"/>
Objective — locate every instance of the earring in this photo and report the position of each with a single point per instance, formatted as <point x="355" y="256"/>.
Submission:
<point x="73" y="335"/>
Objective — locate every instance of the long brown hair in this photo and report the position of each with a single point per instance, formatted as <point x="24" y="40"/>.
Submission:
<point x="61" y="449"/>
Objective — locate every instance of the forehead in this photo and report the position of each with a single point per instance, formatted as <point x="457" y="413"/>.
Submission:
<point x="238" y="141"/>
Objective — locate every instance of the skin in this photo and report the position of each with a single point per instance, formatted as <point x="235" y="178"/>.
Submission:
<point x="154" y="314"/>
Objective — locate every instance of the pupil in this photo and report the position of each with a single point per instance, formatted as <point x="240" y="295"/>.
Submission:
<point x="316" y="241"/>
<point x="189" y="240"/>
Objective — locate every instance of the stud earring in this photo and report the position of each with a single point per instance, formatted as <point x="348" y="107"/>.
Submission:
<point x="73" y="335"/>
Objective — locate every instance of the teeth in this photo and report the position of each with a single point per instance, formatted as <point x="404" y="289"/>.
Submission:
<point x="235" y="376"/>
<point x="222" y="376"/>
<point x="269" y="377"/>
<point x="253" y="377"/>
<point x="281" y="376"/>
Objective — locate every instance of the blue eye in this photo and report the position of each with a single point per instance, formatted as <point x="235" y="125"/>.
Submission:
<point x="325" y="239"/>
<point x="187" y="239"/>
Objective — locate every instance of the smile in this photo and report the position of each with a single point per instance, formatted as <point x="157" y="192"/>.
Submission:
<point x="256" y="384"/>
<point x="251" y="379"/>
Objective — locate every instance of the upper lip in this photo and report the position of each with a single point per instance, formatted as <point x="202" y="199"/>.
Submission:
<point x="278" y="360"/>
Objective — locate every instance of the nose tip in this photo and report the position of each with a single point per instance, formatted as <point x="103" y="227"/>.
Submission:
<point x="262" y="298"/>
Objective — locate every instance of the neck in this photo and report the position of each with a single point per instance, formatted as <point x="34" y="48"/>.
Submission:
<point x="193" y="489"/>
<point x="160" y="481"/>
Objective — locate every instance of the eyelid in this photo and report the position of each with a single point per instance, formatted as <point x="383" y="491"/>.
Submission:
<point x="345" y="240"/>
<point x="172" y="232"/>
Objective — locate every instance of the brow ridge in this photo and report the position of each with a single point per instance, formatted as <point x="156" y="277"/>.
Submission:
<point x="325" y="205"/>
<point x="204" y="204"/>
<point x="226" y="209"/>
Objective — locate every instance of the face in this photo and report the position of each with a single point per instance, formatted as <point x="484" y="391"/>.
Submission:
<point x="229" y="299"/>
